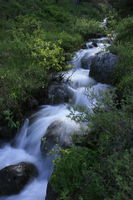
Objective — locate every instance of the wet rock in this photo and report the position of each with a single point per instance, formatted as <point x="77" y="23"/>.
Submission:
<point x="50" y="194"/>
<point x="6" y="133"/>
<point x="86" y="61"/>
<point x="102" y="66"/>
<point x="33" y="103"/>
<point x="90" y="46"/>
<point x="96" y="35"/>
<point x="84" y="46"/>
<point x="59" y="134"/>
<point x="13" y="178"/>
<point x="103" y="40"/>
<point x="58" y="94"/>
<point x="39" y="96"/>
<point x="94" y="44"/>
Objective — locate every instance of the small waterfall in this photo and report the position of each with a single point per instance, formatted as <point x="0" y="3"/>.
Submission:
<point x="28" y="140"/>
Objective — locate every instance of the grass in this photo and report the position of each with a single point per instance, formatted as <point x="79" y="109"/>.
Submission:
<point x="36" y="39"/>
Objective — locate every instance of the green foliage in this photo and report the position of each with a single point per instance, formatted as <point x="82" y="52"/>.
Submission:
<point x="124" y="7"/>
<point x="73" y="177"/>
<point x="69" y="40"/>
<point x="28" y="62"/>
<point x="114" y="132"/>
<point x="57" y="14"/>
<point x="100" y="167"/>
<point x="125" y="29"/>
<point x="126" y="85"/>
<point x="35" y="39"/>
<point x="125" y="64"/>
<point x="85" y="174"/>
<point x="122" y="46"/>
<point x="8" y="115"/>
<point x="87" y="26"/>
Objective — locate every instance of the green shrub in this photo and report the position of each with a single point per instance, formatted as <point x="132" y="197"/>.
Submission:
<point x="29" y="47"/>
<point x="125" y="64"/>
<point x="87" y="26"/>
<point x="58" y="14"/>
<point x="126" y="85"/>
<point x="26" y="24"/>
<point x="100" y="167"/>
<point x="27" y="62"/>
<point x="74" y="177"/>
<point x="70" y="41"/>
<point x="83" y="174"/>
<point x="125" y="29"/>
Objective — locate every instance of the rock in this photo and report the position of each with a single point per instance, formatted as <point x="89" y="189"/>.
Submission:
<point x="96" y="35"/>
<point x="86" y="61"/>
<point x="94" y="44"/>
<point x="58" y="94"/>
<point x="103" y="40"/>
<point x="6" y="133"/>
<point x="50" y="194"/>
<point x="33" y="103"/>
<point x="38" y="97"/>
<point x="59" y="134"/>
<point x="84" y="46"/>
<point x="13" y="178"/>
<point x="102" y="66"/>
<point x="90" y="46"/>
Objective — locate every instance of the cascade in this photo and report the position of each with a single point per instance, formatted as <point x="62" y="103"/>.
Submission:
<point x="27" y="143"/>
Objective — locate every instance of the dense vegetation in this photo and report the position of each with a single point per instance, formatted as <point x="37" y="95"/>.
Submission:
<point x="99" y="165"/>
<point x="36" y="39"/>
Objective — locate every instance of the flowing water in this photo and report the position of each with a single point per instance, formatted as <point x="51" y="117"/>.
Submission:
<point x="28" y="140"/>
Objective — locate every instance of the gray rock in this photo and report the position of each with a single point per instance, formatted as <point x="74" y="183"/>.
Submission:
<point x="6" y="133"/>
<point x="58" y="94"/>
<point x="90" y="46"/>
<point x="94" y="44"/>
<point x="59" y="134"/>
<point x="102" y="66"/>
<point x="33" y="103"/>
<point x="86" y="61"/>
<point x="50" y="194"/>
<point x="13" y="178"/>
<point x="53" y="137"/>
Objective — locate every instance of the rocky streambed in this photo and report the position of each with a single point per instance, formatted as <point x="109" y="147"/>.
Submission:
<point x="25" y="166"/>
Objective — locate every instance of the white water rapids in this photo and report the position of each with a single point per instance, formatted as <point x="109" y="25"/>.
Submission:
<point x="28" y="140"/>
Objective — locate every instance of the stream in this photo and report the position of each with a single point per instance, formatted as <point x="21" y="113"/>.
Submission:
<point x="27" y="143"/>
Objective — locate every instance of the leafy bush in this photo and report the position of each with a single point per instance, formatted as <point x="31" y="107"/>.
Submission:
<point x="27" y="61"/>
<point x="122" y="46"/>
<point x="126" y="85"/>
<point x="29" y="47"/>
<point x="74" y="177"/>
<point x="125" y="29"/>
<point x="84" y="174"/>
<point x="70" y="40"/>
<point x="86" y="27"/>
<point x="58" y="14"/>
<point x="100" y="168"/>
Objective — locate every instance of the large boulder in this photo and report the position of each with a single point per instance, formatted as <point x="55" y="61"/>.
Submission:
<point x="13" y="178"/>
<point x="86" y="61"/>
<point x="59" y="134"/>
<point x="58" y="93"/>
<point x="102" y="67"/>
